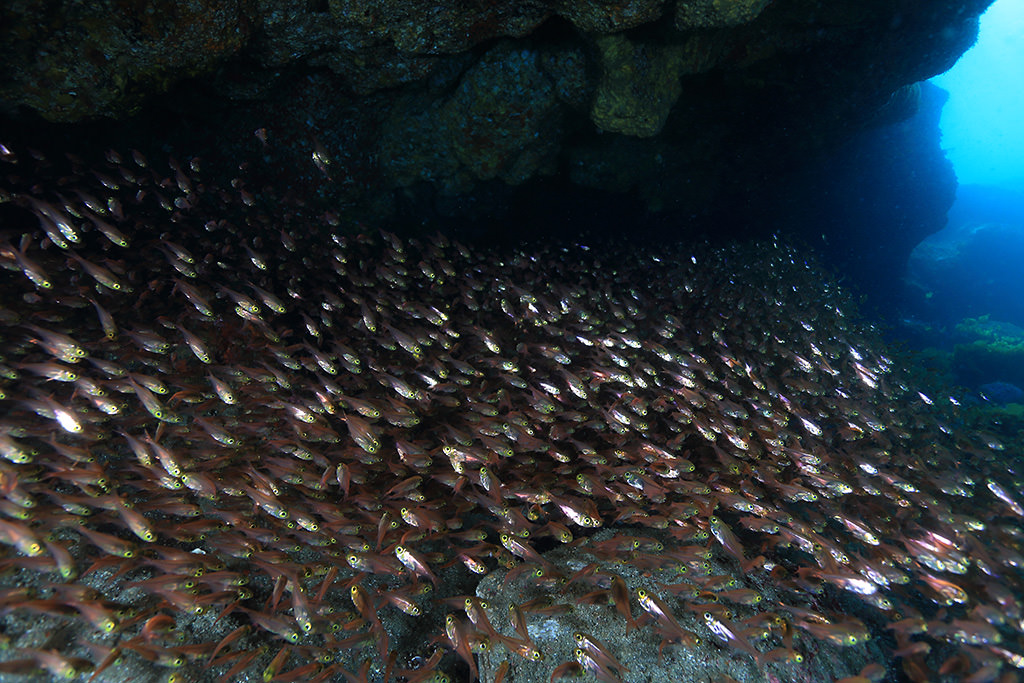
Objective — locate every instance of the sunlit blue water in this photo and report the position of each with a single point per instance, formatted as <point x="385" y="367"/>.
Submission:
<point x="982" y="129"/>
<point x="965" y="284"/>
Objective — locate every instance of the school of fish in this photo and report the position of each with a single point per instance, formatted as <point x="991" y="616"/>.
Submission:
<point x="221" y="415"/>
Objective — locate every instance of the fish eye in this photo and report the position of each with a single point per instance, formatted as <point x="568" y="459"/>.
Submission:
<point x="578" y="637"/>
<point x="536" y="656"/>
<point x="708" y="615"/>
<point x="115" y="285"/>
<point x="128" y="554"/>
<point x="798" y="658"/>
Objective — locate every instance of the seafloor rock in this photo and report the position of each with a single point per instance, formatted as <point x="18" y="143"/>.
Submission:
<point x="1001" y="392"/>
<point x="584" y="605"/>
<point x="943" y="282"/>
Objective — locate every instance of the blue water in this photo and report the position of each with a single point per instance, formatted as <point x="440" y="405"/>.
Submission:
<point x="965" y="284"/>
<point x="981" y="129"/>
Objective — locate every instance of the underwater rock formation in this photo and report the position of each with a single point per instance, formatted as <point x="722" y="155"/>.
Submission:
<point x="942" y="282"/>
<point x="437" y="110"/>
<point x="237" y="442"/>
<point x="988" y="350"/>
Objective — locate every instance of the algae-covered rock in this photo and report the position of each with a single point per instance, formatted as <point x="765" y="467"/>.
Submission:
<point x="639" y="83"/>
<point x="716" y="13"/>
<point x="504" y="118"/>
<point x="69" y="61"/>
<point x="608" y="16"/>
<point x="422" y="26"/>
<point x="503" y="121"/>
<point x="994" y="352"/>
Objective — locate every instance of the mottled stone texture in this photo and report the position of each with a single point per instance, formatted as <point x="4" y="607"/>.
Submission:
<point x="69" y="61"/>
<point x="715" y="13"/>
